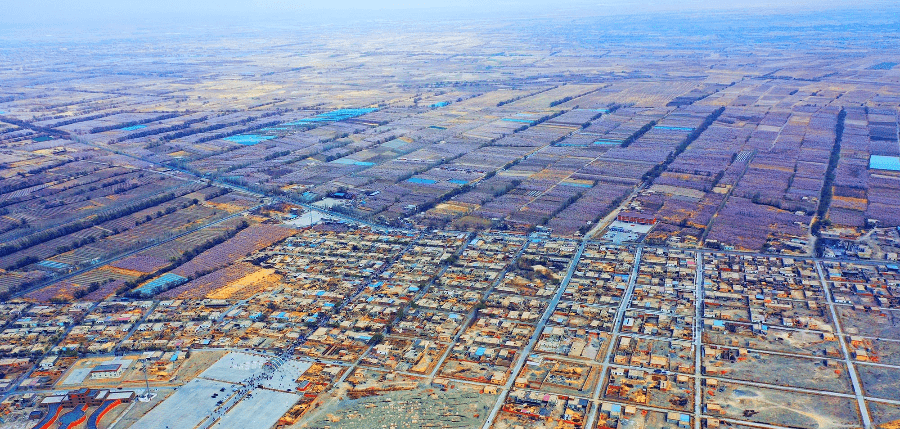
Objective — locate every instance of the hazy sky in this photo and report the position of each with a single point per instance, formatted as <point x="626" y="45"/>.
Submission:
<point x="98" y="12"/>
<point x="72" y="20"/>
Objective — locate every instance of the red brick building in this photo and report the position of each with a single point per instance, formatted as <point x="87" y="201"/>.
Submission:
<point x="639" y="218"/>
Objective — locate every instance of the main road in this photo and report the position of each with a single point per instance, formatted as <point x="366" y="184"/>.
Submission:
<point x="617" y="327"/>
<point x="851" y="369"/>
<point x="539" y="329"/>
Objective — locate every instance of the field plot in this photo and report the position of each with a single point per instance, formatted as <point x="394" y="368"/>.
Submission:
<point x="776" y="340"/>
<point x="884" y="416"/>
<point x="458" y="173"/>
<point x="822" y="374"/>
<point x="881" y="324"/>
<point x="107" y="278"/>
<point x="140" y="263"/>
<point x="174" y="249"/>
<point x="216" y="283"/>
<point x="243" y="244"/>
<point x="247" y="286"/>
<point x="879" y="381"/>
<point x="781" y="407"/>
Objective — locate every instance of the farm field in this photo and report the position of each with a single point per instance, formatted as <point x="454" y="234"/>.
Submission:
<point x="512" y="215"/>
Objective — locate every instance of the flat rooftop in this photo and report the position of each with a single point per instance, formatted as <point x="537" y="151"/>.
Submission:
<point x="110" y="367"/>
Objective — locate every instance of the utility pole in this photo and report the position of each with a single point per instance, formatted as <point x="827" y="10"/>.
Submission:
<point x="146" y="379"/>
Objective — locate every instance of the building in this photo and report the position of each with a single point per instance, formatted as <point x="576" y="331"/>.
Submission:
<point x="638" y="218"/>
<point x="113" y="370"/>
<point x="659" y="362"/>
<point x="611" y="410"/>
<point x="48" y="362"/>
<point x="682" y="420"/>
<point x="89" y="397"/>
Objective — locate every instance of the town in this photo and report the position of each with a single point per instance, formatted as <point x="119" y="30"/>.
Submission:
<point x="534" y="223"/>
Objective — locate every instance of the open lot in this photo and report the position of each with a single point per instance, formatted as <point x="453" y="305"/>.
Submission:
<point x="236" y="367"/>
<point x="260" y="410"/>
<point x="885" y="416"/>
<point x="880" y="382"/>
<point x="818" y="373"/>
<point x="189" y="406"/>
<point x="777" y="340"/>
<point x="883" y="323"/>
<point x="785" y="408"/>
<point x="377" y="399"/>
<point x="887" y="352"/>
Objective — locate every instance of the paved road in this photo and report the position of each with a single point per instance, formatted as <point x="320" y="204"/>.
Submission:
<point x="698" y="336"/>
<point x="166" y="168"/>
<point x="851" y="369"/>
<point x="609" y="218"/>
<point x="525" y="352"/>
<point x="616" y="331"/>
<point x="623" y="305"/>
<point x="725" y="199"/>
<point x="137" y="323"/>
<point x="622" y="308"/>
<point x="471" y="315"/>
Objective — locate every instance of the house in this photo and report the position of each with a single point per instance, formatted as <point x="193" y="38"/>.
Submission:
<point x="611" y="410"/>
<point x="714" y="409"/>
<point x="659" y="362"/>
<point x="682" y="420"/>
<point x="48" y="362"/>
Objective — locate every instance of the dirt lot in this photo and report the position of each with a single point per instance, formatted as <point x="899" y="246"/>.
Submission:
<point x="792" y="371"/>
<point x="784" y="408"/>
<point x="884" y="415"/>
<point x="414" y="404"/>
<point x="879" y="381"/>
